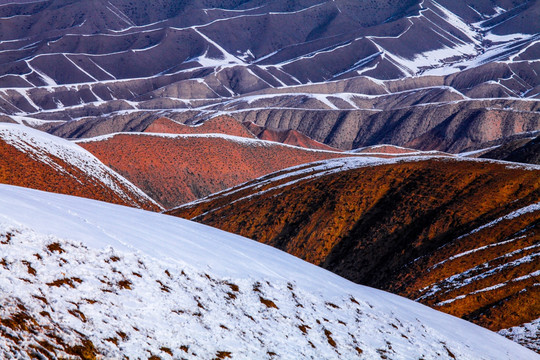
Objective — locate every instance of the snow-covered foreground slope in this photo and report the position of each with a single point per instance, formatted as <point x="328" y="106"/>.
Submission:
<point x="80" y="277"/>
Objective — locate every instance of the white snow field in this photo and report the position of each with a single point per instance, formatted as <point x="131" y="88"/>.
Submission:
<point x="139" y="284"/>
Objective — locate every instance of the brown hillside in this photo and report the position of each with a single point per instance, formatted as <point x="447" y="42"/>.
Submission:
<point x="393" y="149"/>
<point x="218" y="125"/>
<point x="178" y="169"/>
<point x="50" y="173"/>
<point x="286" y="136"/>
<point x="402" y="226"/>
<point x="521" y="150"/>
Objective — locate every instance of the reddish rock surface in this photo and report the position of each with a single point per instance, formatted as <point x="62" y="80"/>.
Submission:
<point x="176" y="169"/>
<point x="56" y="175"/>
<point x="290" y="137"/>
<point x="218" y="125"/>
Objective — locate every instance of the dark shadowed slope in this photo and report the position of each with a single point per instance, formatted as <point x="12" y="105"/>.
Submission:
<point x="523" y="150"/>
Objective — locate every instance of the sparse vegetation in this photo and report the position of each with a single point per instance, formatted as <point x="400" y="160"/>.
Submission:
<point x="268" y="303"/>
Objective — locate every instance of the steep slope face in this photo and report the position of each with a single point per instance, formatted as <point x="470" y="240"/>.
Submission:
<point x="453" y="125"/>
<point x="461" y="236"/>
<point x="289" y="137"/>
<point x="37" y="160"/>
<point x="86" y="279"/>
<point x="522" y="150"/>
<point x="218" y="125"/>
<point x="175" y="169"/>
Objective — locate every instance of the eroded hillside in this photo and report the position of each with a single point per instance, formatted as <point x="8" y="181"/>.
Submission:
<point x="458" y="235"/>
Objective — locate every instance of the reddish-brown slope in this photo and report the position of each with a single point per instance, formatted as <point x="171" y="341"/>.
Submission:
<point x="218" y="125"/>
<point x="286" y="136"/>
<point x="21" y="169"/>
<point x="389" y="225"/>
<point x="394" y="150"/>
<point x="178" y="169"/>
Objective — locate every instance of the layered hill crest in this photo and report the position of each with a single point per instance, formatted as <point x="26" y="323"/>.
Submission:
<point x="348" y="74"/>
<point x="290" y="137"/>
<point x="458" y="235"/>
<point x="218" y="125"/>
<point x="34" y="159"/>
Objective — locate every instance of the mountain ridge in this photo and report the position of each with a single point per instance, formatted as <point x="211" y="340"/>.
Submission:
<point x="181" y="60"/>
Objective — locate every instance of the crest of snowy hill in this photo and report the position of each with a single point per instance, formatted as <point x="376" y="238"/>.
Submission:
<point x="36" y="159"/>
<point x="81" y="278"/>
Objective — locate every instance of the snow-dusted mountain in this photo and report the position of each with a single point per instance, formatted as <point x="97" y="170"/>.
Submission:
<point x="346" y="73"/>
<point x="83" y="278"/>
<point x="35" y="159"/>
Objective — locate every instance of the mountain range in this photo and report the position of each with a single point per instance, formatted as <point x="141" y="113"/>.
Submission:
<point x="338" y="76"/>
<point x="374" y="166"/>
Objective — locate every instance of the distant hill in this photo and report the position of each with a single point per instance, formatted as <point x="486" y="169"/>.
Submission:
<point x="177" y="168"/>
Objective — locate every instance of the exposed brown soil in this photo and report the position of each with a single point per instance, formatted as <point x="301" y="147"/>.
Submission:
<point x="289" y="137"/>
<point x="20" y="169"/>
<point x="386" y="149"/>
<point x="24" y="326"/>
<point x="218" y="125"/>
<point x="176" y="170"/>
<point x="387" y="226"/>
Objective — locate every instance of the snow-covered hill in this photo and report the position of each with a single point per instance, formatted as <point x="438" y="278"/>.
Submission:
<point x="35" y="159"/>
<point x="81" y="278"/>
